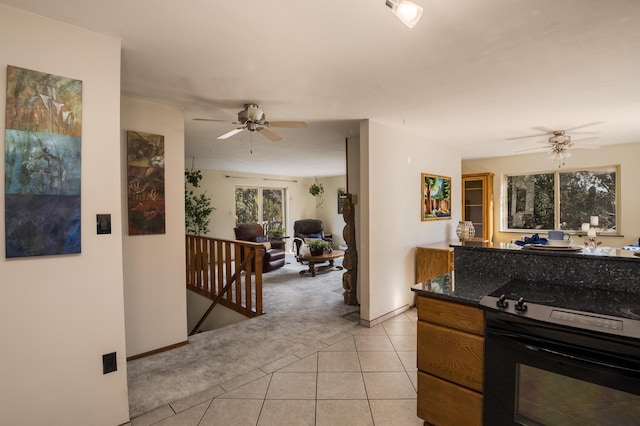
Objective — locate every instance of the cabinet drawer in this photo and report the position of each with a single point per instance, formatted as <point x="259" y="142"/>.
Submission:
<point x="450" y="354"/>
<point x="443" y="403"/>
<point x="450" y="314"/>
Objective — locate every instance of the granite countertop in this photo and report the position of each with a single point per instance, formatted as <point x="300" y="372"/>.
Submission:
<point x="482" y="268"/>
<point x="581" y="251"/>
<point x="467" y="290"/>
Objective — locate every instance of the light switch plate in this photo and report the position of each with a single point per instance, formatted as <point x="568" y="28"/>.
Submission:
<point x="103" y="223"/>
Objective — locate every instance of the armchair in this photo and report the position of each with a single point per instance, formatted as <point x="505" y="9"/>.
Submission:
<point x="272" y="258"/>
<point x="308" y="228"/>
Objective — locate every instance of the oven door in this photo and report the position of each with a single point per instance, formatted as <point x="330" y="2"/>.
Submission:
<point x="572" y="378"/>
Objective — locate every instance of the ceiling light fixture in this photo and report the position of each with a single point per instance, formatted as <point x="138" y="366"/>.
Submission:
<point x="558" y="154"/>
<point x="408" y="12"/>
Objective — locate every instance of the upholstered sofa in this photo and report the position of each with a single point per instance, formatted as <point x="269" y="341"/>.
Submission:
<point x="272" y="258"/>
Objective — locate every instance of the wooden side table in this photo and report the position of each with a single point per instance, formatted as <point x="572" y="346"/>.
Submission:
<point x="323" y="258"/>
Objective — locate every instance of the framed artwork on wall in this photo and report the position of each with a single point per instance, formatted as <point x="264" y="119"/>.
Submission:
<point x="145" y="183"/>
<point x="43" y="129"/>
<point x="435" y="197"/>
<point x="342" y="193"/>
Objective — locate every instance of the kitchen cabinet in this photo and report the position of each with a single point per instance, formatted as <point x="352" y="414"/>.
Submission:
<point x="450" y="362"/>
<point x="433" y="260"/>
<point x="477" y="203"/>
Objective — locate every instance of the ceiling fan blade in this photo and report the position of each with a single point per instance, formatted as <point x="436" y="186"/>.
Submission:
<point x="269" y="134"/>
<point x="580" y="145"/>
<point x="539" y="135"/>
<point x="291" y="124"/>
<point x="586" y="139"/>
<point x="212" y="119"/>
<point x="571" y="129"/>
<point x="231" y="133"/>
<point x="531" y="149"/>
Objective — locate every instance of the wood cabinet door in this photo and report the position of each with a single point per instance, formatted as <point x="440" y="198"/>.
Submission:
<point x="477" y="203"/>
<point x="450" y="354"/>
<point x="443" y="403"/>
<point x="433" y="262"/>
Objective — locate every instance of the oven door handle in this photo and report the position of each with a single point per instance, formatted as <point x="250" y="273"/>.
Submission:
<point x="585" y="360"/>
<point x="535" y="344"/>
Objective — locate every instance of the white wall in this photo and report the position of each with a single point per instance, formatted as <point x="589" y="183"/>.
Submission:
<point x="60" y="314"/>
<point x="390" y="212"/>
<point x="154" y="265"/>
<point x="328" y="210"/>
<point x="626" y="156"/>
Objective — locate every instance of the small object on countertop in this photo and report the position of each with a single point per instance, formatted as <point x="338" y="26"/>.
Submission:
<point x="636" y="253"/>
<point x="534" y="239"/>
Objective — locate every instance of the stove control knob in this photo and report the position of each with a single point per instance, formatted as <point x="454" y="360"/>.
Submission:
<point x="502" y="302"/>
<point x="520" y="305"/>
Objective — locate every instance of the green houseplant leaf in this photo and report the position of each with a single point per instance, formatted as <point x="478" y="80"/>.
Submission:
<point x="197" y="208"/>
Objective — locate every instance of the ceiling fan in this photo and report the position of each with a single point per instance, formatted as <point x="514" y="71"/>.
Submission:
<point x="558" y="143"/>
<point x="252" y="118"/>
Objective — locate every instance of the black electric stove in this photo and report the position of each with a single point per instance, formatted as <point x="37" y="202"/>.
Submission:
<point x="600" y="310"/>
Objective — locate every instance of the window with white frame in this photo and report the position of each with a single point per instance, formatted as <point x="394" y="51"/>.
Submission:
<point x="265" y="206"/>
<point x="563" y="199"/>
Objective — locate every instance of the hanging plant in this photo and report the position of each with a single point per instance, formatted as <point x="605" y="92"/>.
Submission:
<point x="317" y="190"/>
<point x="197" y="208"/>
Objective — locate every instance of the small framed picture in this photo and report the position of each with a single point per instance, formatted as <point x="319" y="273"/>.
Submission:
<point x="342" y="193"/>
<point x="435" y="197"/>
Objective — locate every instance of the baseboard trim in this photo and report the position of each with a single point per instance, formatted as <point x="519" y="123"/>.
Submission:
<point x="383" y="318"/>
<point x="157" y="351"/>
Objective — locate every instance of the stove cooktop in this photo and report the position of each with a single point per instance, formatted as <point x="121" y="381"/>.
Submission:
<point x="602" y="310"/>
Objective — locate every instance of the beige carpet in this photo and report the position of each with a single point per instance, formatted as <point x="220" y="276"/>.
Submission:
<point x="300" y="311"/>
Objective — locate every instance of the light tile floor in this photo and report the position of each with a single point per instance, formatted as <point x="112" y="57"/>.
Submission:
<point x="368" y="378"/>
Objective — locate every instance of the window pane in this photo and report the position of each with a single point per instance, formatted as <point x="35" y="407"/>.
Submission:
<point x="588" y="193"/>
<point x="246" y="205"/>
<point x="261" y="205"/>
<point x="272" y="209"/>
<point x="530" y="203"/>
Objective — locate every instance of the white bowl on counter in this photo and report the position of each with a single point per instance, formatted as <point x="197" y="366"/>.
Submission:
<point x="559" y="243"/>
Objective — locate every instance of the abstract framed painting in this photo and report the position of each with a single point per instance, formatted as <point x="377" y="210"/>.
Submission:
<point x="145" y="183"/>
<point x="43" y="129"/>
<point x="435" y="197"/>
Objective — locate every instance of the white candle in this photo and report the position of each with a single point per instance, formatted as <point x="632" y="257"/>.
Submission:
<point x="591" y="233"/>
<point x="585" y="227"/>
<point x="594" y="221"/>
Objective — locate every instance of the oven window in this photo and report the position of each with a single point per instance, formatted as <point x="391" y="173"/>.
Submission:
<point x="546" y="398"/>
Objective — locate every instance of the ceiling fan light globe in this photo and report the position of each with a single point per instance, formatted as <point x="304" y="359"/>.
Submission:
<point x="408" y="12"/>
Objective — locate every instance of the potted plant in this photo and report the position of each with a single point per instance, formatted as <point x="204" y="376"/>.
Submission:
<point x="276" y="232"/>
<point x="197" y="208"/>
<point x="318" y="246"/>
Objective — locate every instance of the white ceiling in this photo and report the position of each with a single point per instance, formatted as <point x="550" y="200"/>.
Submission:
<point x="472" y="74"/>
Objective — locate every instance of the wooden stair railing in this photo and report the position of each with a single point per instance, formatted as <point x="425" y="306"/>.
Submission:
<point x="214" y="270"/>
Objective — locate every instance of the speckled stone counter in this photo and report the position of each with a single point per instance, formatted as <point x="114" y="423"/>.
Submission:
<point x="481" y="268"/>
<point x="467" y="290"/>
<point x="605" y="268"/>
